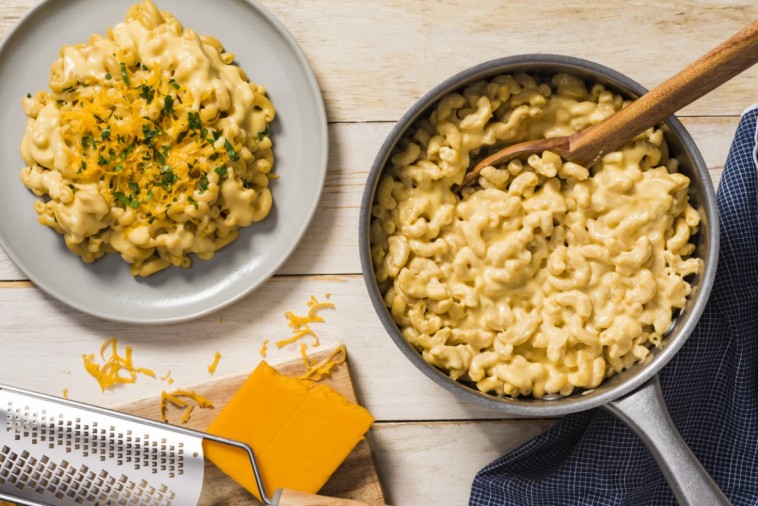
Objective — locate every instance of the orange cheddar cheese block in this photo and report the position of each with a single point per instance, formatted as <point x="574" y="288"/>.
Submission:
<point x="300" y="432"/>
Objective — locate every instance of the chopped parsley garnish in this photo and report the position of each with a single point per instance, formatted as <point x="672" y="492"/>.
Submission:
<point x="127" y="200"/>
<point x="88" y="140"/>
<point x="160" y="157"/>
<point x="168" y="105"/>
<point x="70" y="89"/>
<point x="126" y="152"/>
<point x="221" y="171"/>
<point x="265" y="133"/>
<point x="193" y="121"/>
<point x="212" y="157"/>
<point x="28" y="95"/>
<point x="216" y="134"/>
<point x="148" y="132"/>
<point x="203" y="183"/>
<point x="82" y="167"/>
<point x="118" y="168"/>
<point x="192" y="201"/>
<point x="148" y="93"/>
<point x="124" y="75"/>
<point x="105" y="134"/>
<point x="168" y="179"/>
<point x="134" y="186"/>
<point x="173" y="83"/>
<point x="233" y="156"/>
<point x="108" y="76"/>
<point x="101" y="161"/>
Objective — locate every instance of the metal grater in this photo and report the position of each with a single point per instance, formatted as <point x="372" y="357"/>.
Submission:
<point x="59" y="452"/>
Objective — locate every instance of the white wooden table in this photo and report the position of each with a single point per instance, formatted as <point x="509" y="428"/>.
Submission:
<point x="373" y="60"/>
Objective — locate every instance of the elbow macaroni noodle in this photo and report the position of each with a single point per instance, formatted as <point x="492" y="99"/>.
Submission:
<point x="552" y="276"/>
<point x="151" y="144"/>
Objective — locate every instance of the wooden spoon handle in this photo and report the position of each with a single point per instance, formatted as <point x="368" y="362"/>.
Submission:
<point x="286" y="497"/>
<point x="725" y="61"/>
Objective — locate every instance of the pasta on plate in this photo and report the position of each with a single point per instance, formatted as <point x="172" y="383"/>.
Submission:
<point x="151" y="144"/>
<point x="551" y="276"/>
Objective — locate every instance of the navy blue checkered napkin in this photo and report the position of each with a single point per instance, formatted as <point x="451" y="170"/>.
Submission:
<point x="710" y="387"/>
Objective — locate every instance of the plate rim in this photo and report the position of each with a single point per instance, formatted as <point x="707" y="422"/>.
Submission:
<point x="322" y="164"/>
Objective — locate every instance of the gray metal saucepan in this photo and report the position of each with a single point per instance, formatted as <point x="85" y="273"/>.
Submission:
<point x="634" y="395"/>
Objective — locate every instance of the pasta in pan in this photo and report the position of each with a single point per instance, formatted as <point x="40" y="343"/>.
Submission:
<point x="551" y="276"/>
<point x="151" y="144"/>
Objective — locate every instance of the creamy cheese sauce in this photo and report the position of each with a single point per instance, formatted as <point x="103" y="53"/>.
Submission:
<point x="551" y="276"/>
<point x="150" y="144"/>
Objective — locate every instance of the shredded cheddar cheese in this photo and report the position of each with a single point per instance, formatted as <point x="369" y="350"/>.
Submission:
<point x="109" y="374"/>
<point x="297" y="336"/>
<point x="151" y="159"/>
<point x="214" y="365"/>
<point x="177" y="399"/>
<point x="301" y="322"/>
<point x="65" y="393"/>
<point x="264" y="348"/>
<point x="187" y="414"/>
<point x="167" y="378"/>
<point x="304" y="354"/>
<point x="316" y="372"/>
<point x="301" y="327"/>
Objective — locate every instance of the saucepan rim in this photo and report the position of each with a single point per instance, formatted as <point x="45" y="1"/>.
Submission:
<point x="703" y="193"/>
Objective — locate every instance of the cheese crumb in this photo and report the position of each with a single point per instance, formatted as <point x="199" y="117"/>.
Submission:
<point x="214" y="365"/>
<point x="264" y="348"/>
<point x="315" y="372"/>
<point x="177" y="398"/>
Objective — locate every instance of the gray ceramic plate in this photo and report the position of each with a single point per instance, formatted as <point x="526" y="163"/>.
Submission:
<point x="271" y="57"/>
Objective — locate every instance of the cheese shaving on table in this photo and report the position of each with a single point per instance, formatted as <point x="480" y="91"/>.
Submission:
<point x="264" y="348"/>
<point x="167" y="378"/>
<point x="301" y="324"/>
<point x="214" y="365"/>
<point x="65" y="393"/>
<point x="297" y="336"/>
<point x="177" y="398"/>
<point x="108" y="375"/>
<point x="316" y="372"/>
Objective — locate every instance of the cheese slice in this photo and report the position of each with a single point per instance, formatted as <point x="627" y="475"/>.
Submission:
<point x="300" y="432"/>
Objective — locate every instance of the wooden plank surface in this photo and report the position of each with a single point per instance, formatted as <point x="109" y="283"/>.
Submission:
<point x="389" y="385"/>
<point x="372" y="62"/>
<point x="355" y="479"/>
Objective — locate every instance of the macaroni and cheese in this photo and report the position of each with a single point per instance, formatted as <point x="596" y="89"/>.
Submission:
<point x="551" y="276"/>
<point x="151" y="144"/>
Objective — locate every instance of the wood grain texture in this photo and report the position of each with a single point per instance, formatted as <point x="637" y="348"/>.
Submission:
<point x="45" y="342"/>
<point x="435" y="462"/>
<point x="355" y="479"/>
<point x="372" y="64"/>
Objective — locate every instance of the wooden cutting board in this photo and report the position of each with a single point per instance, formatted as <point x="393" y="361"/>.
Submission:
<point x="355" y="479"/>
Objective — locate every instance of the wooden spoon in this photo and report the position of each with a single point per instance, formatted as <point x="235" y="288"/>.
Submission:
<point x="727" y="60"/>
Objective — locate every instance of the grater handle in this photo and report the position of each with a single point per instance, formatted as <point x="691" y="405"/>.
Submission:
<point x="287" y="497"/>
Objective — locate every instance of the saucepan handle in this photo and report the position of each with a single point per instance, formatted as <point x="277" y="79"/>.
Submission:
<point x="645" y="413"/>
